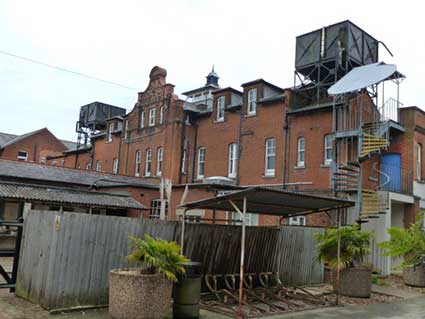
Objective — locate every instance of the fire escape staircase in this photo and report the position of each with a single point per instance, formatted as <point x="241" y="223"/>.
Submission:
<point x="347" y="177"/>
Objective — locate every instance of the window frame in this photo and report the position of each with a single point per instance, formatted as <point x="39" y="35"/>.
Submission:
<point x="300" y="163"/>
<point x="161" y="115"/>
<point x="297" y="221"/>
<point x="221" y="105"/>
<point x="159" y="160"/>
<point x="22" y="157"/>
<point x="148" y="164"/>
<point x="232" y="164"/>
<point x="152" y="117"/>
<point x="142" y="119"/>
<point x="204" y="151"/>
<point x="252" y="101"/>
<point x="115" y="164"/>
<point x="326" y="160"/>
<point x="110" y="130"/>
<point x="270" y="171"/>
<point x="126" y="129"/>
<point x="155" y="211"/>
<point x="98" y="166"/>
<point x="137" y="163"/>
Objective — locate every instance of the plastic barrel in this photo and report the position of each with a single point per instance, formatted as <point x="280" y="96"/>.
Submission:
<point x="187" y="292"/>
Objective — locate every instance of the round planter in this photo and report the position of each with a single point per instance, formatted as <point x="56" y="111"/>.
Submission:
<point x="133" y="295"/>
<point x="355" y="282"/>
<point x="414" y="275"/>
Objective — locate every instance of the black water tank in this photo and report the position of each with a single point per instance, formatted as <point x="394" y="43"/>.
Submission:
<point x="187" y="292"/>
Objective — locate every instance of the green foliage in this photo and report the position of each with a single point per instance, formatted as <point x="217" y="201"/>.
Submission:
<point x="407" y="242"/>
<point x="355" y="245"/>
<point x="158" y="255"/>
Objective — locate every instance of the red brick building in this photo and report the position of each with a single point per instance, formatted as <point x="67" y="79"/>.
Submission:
<point x="34" y="146"/>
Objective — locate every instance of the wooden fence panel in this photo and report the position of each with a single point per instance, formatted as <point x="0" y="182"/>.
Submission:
<point x="66" y="257"/>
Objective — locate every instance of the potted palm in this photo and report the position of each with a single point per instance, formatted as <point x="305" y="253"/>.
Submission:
<point x="145" y="292"/>
<point x="409" y="243"/>
<point x="355" y="276"/>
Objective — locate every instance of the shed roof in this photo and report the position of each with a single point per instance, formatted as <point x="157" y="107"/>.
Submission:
<point x="61" y="196"/>
<point x="261" y="200"/>
<point x="46" y="173"/>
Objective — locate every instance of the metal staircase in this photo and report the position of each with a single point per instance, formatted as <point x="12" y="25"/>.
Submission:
<point x="353" y="147"/>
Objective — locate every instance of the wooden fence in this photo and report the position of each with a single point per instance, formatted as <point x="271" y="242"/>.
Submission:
<point x="66" y="257"/>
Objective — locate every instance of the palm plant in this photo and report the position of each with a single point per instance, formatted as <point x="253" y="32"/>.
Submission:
<point x="355" y="245"/>
<point x="158" y="256"/>
<point x="407" y="242"/>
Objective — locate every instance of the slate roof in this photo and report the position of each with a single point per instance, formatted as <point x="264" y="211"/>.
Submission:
<point x="9" y="139"/>
<point x="46" y="173"/>
<point x="67" y="196"/>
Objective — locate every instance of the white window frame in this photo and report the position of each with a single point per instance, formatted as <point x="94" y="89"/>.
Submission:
<point x="115" y="166"/>
<point x="152" y="117"/>
<point x="270" y="152"/>
<point x="159" y="161"/>
<point x="126" y="129"/>
<point x="297" y="221"/>
<point x="328" y="146"/>
<point x="142" y="119"/>
<point x="301" y="150"/>
<point x="161" y="115"/>
<point x="98" y="166"/>
<point x="110" y="130"/>
<point x="155" y="211"/>
<point x="232" y="163"/>
<point x="201" y="161"/>
<point x="419" y="162"/>
<point x="220" y="108"/>
<point x="137" y="163"/>
<point x="250" y="219"/>
<point x="23" y="157"/>
<point x="252" y="101"/>
<point x="148" y="166"/>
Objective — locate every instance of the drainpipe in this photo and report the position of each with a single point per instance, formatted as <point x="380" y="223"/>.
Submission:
<point x="195" y="146"/>
<point x="182" y="148"/>
<point x="238" y="175"/>
<point x="286" y="150"/>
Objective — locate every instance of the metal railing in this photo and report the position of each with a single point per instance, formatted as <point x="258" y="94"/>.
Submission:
<point x="390" y="110"/>
<point x="400" y="179"/>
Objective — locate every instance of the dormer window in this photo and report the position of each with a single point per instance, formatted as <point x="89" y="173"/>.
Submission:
<point x="220" y="108"/>
<point x="152" y="115"/>
<point x="252" y="102"/>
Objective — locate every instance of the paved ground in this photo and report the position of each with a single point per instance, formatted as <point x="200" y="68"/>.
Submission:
<point x="12" y="307"/>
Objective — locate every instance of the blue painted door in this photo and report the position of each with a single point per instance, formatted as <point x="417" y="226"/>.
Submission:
<point x="391" y="166"/>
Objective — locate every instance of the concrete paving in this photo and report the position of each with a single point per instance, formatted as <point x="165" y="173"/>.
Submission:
<point x="12" y="307"/>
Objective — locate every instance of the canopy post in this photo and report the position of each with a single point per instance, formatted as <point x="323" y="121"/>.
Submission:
<point x="338" y="257"/>
<point x="182" y="232"/>
<point x="241" y="272"/>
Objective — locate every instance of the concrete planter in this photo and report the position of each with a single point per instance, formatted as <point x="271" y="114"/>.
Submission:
<point x="414" y="275"/>
<point x="133" y="295"/>
<point x="355" y="282"/>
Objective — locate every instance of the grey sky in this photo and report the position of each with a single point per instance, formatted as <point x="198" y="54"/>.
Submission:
<point x="121" y="41"/>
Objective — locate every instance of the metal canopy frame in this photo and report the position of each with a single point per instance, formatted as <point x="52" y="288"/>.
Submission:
<point x="261" y="200"/>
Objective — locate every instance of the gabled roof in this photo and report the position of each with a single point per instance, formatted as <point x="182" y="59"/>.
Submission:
<point x="20" y="138"/>
<point x="262" y="81"/>
<point x="60" y="175"/>
<point x="7" y="139"/>
<point x="57" y="195"/>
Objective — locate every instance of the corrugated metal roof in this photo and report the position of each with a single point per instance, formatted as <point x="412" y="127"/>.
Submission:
<point x="22" y="170"/>
<point x="6" y="137"/>
<point x="262" y="200"/>
<point x="67" y="196"/>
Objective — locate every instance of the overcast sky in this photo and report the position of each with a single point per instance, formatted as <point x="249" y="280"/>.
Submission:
<point x="121" y="41"/>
